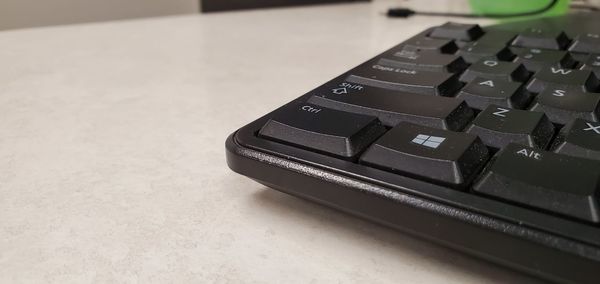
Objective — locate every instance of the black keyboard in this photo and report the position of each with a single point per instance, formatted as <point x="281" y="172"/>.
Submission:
<point x="486" y="140"/>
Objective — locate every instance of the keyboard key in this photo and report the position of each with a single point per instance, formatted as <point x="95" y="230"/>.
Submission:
<point x="586" y="43"/>
<point x="534" y="59"/>
<point x="456" y="31"/>
<point x="580" y="138"/>
<point x="432" y="44"/>
<point x="562" y="105"/>
<point x="557" y="183"/>
<point x="425" y="61"/>
<point x="592" y="63"/>
<point x="580" y="57"/>
<point x="461" y="43"/>
<point x="498" y="126"/>
<point x="331" y="131"/>
<point x="448" y="157"/>
<point x="494" y="69"/>
<point x="497" y="38"/>
<point x="482" y="92"/>
<point x="394" y="107"/>
<point x="473" y="52"/>
<point x="561" y="78"/>
<point x="407" y="80"/>
<point x="541" y="38"/>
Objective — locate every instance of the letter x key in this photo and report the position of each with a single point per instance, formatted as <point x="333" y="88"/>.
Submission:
<point x="592" y="128"/>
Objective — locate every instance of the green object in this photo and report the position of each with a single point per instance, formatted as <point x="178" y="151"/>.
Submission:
<point x="518" y="6"/>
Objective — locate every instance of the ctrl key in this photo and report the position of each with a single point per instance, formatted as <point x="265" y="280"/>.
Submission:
<point x="335" y="132"/>
<point x="560" y="184"/>
<point x="447" y="157"/>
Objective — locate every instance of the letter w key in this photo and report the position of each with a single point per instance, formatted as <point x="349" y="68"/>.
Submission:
<point x="559" y="78"/>
<point x="560" y="71"/>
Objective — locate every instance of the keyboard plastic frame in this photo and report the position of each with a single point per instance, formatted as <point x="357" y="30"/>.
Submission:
<point x="549" y="246"/>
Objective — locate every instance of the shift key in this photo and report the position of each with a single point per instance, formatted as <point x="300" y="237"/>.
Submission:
<point x="557" y="183"/>
<point x="392" y="107"/>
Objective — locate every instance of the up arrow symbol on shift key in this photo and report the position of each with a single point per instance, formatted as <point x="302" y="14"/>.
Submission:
<point x="339" y="91"/>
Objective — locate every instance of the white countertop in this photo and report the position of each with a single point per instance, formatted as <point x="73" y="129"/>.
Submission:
<point x="112" y="159"/>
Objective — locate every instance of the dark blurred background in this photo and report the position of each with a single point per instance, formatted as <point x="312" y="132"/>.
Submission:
<point x="224" y="5"/>
<point x="33" y="13"/>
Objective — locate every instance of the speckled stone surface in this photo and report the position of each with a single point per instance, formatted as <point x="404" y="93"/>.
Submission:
<point x="112" y="163"/>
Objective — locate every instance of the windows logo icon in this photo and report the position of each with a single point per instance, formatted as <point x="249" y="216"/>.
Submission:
<point x="428" y="141"/>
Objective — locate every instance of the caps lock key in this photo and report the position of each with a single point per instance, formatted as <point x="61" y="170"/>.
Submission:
<point x="406" y="80"/>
